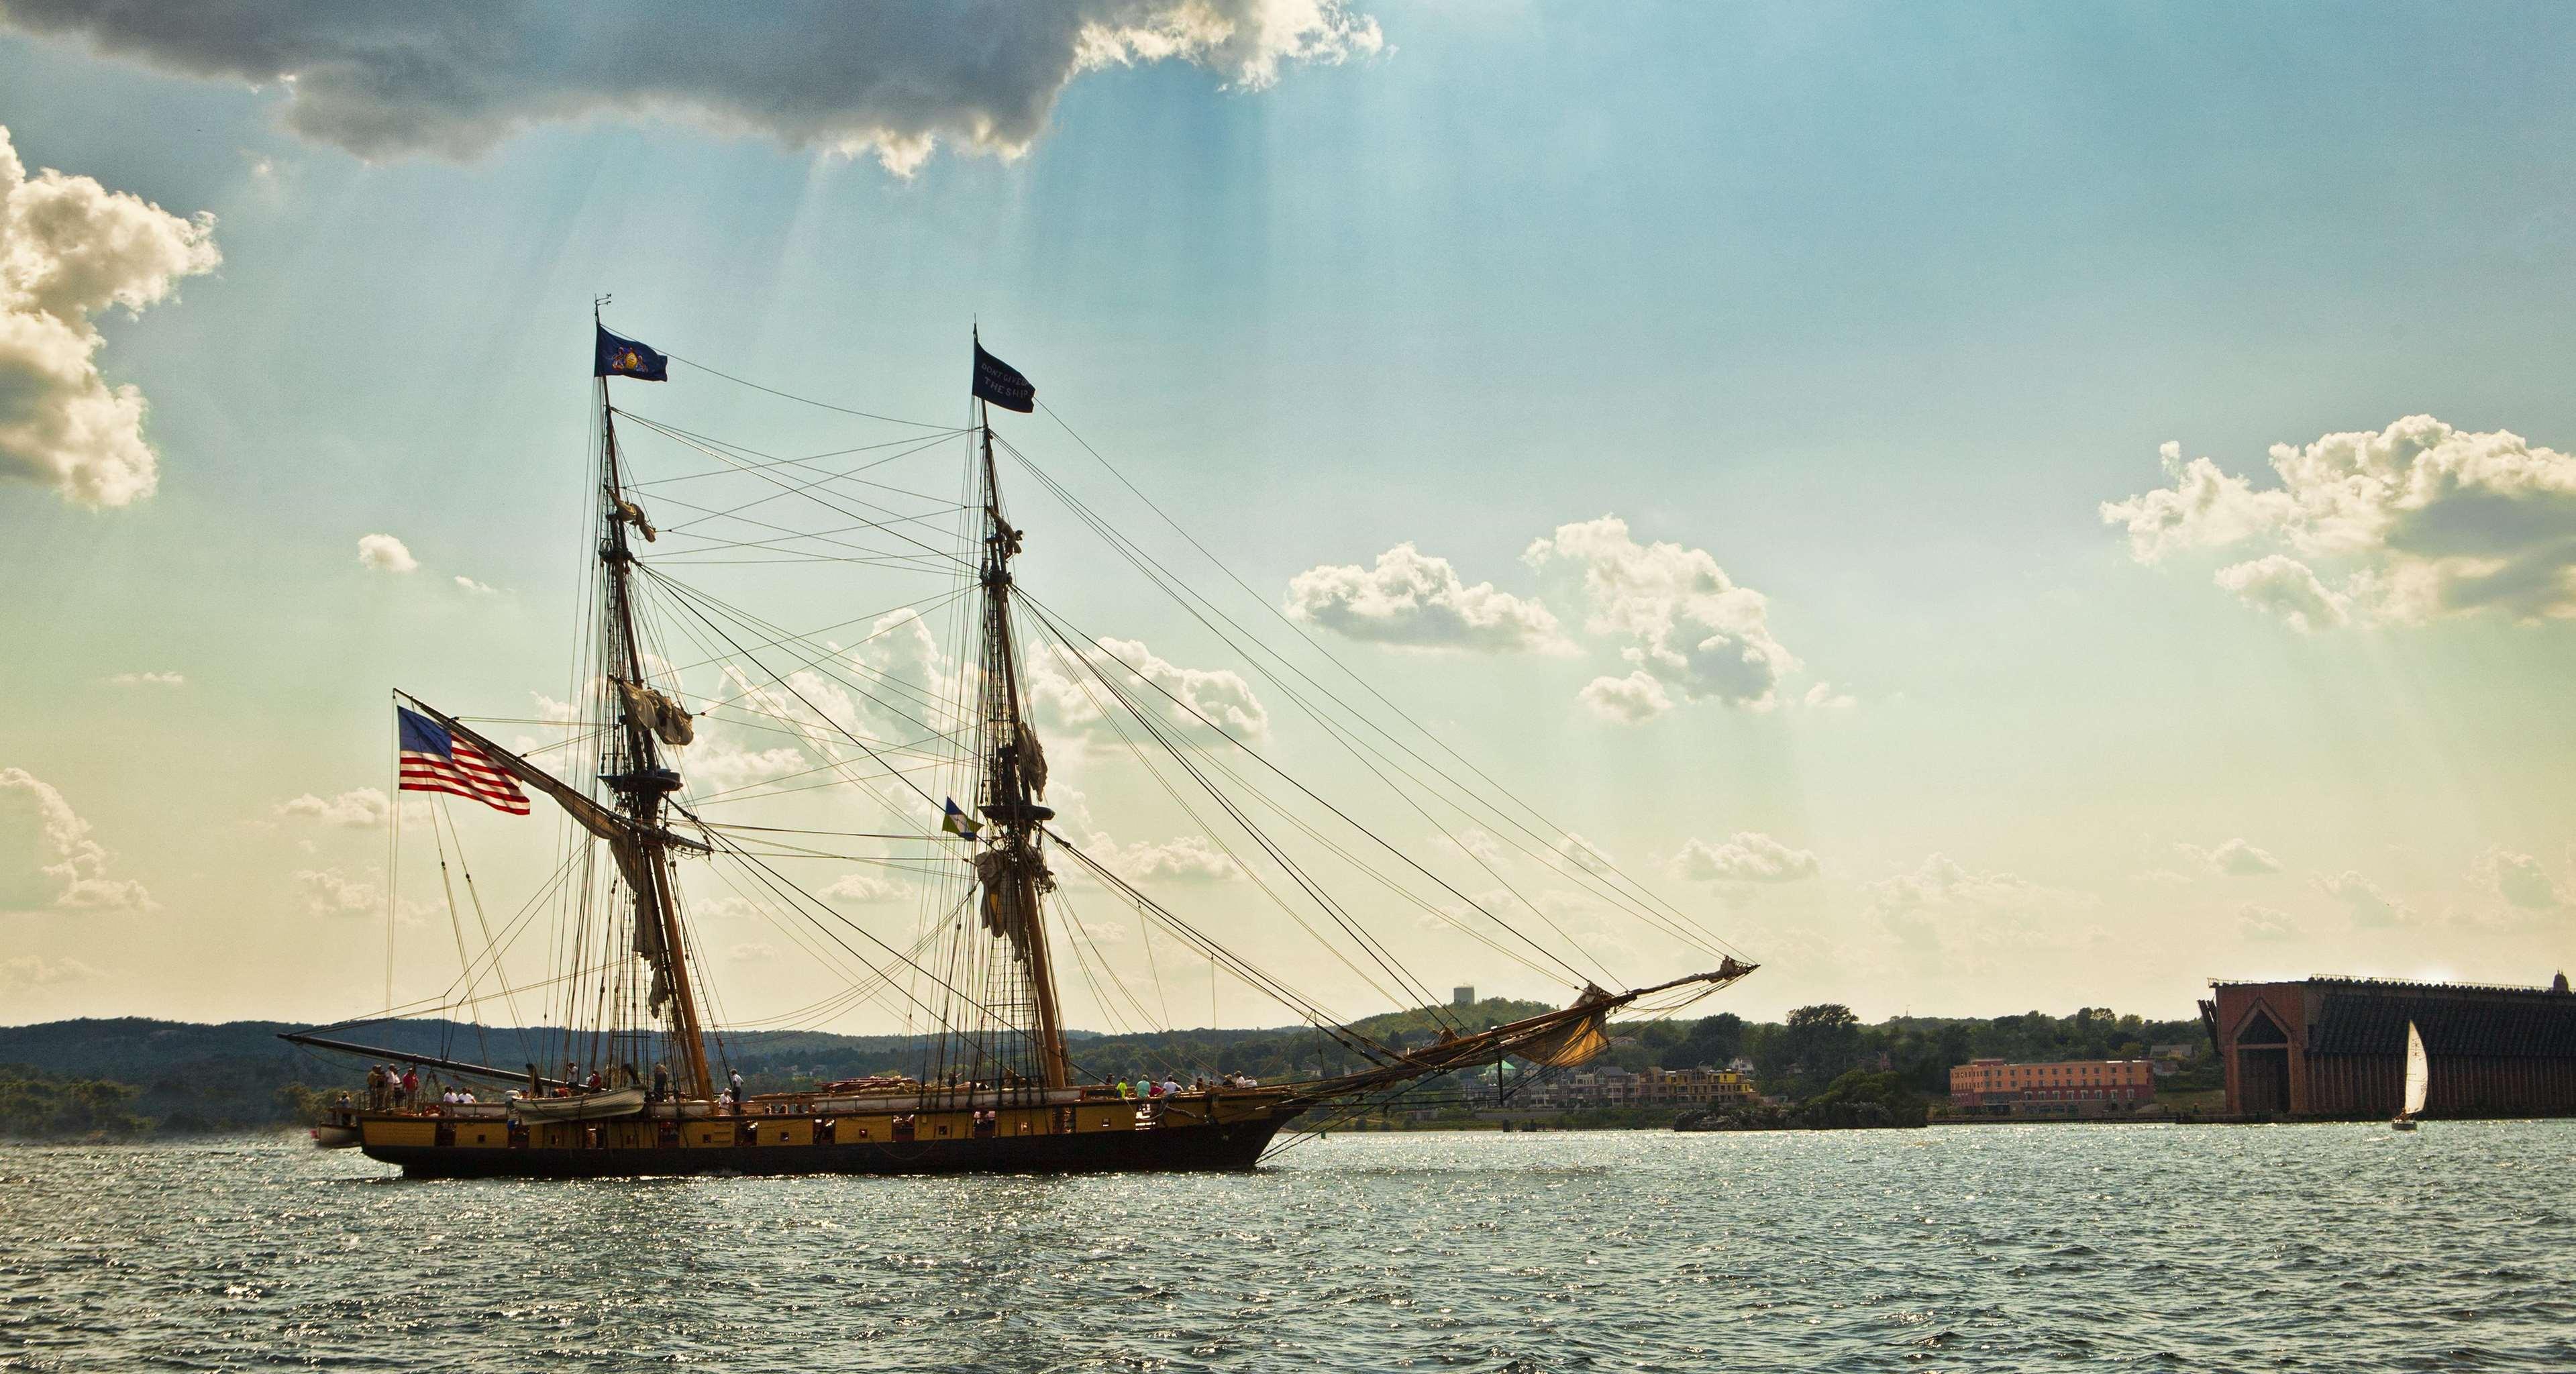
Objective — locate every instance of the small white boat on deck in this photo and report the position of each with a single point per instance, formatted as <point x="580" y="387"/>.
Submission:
<point x="606" y="1105"/>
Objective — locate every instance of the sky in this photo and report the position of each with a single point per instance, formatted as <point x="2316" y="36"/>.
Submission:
<point x="1987" y="508"/>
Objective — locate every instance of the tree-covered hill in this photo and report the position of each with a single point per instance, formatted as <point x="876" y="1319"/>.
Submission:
<point x="186" y="1076"/>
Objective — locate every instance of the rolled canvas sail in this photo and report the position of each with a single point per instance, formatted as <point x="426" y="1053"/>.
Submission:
<point x="2419" y="1077"/>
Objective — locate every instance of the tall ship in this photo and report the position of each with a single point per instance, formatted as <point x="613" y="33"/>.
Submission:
<point x="629" y="1072"/>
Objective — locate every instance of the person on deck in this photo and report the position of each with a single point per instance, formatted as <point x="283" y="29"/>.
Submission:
<point x="1171" y="1085"/>
<point x="411" y="1085"/>
<point x="734" y="1081"/>
<point x="661" y="1082"/>
<point x="595" y="1082"/>
<point x="1126" y="1089"/>
<point x="375" y="1087"/>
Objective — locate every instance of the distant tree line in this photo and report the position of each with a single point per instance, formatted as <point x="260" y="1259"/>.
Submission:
<point x="112" y="1079"/>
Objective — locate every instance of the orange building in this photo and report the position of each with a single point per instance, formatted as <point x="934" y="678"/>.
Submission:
<point x="2075" y="1087"/>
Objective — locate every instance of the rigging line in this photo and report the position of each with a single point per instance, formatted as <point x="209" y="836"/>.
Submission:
<point x="687" y="528"/>
<point x="771" y="723"/>
<point x="1294" y="871"/>
<point x="794" y="933"/>
<point x="692" y="594"/>
<point x="774" y="881"/>
<point x="798" y="830"/>
<point x="455" y="922"/>
<point x="808" y="493"/>
<point x="482" y="922"/>
<point x="807" y="400"/>
<point x="1640" y="891"/>
<point x="712" y="445"/>
<point x="1363" y="752"/>
<point x="818" y="712"/>
<point x="909" y="439"/>
<point x="827" y="1007"/>
<point x="751" y="790"/>
<point x="917" y="605"/>
<point x="1171" y="586"/>
<point x="1297" y="1004"/>
<point x="1047" y="614"/>
<point x="1251" y="975"/>
<point x="804" y="489"/>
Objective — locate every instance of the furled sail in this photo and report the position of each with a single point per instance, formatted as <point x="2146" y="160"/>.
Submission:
<point x="1010" y="877"/>
<point x="1576" y="1042"/>
<point x="1032" y="761"/>
<point x="658" y="712"/>
<point x="633" y="514"/>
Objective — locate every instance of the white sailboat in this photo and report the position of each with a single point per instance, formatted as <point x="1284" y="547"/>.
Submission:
<point x="2419" y="1079"/>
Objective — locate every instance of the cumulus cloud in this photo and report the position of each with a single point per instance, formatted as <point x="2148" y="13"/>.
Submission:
<point x="753" y="952"/>
<point x="1413" y="599"/>
<point x="471" y="587"/>
<point x="149" y="680"/>
<point x="1695" y="631"/>
<point x="1823" y="697"/>
<point x="452" y="78"/>
<point x="2401" y="526"/>
<point x="863" y="887"/>
<point x="327" y="893"/>
<point x="70" y="248"/>
<point x="1627" y="700"/>
<point x="26" y="972"/>
<point x="1188" y="858"/>
<point x="1220" y="696"/>
<point x="2234" y="859"/>
<point x="716" y="763"/>
<point x="2288" y="588"/>
<point x="1748" y="857"/>
<point x="384" y="553"/>
<point x="2373" y="907"/>
<point x="2520" y="879"/>
<point x="361" y="808"/>
<point x="2263" y="923"/>
<point x="78" y="864"/>
<point x="1942" y="903"/>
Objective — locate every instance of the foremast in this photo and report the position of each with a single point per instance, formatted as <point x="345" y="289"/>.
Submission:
<point x="632" y="767"/>
<point x="1012" y="866"/>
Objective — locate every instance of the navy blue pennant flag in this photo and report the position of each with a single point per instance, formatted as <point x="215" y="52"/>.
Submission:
<point x="999" y="383"/>
<point x="627" y="358"/>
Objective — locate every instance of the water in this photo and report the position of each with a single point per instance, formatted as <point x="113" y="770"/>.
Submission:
<point x="1995" y="1248"/>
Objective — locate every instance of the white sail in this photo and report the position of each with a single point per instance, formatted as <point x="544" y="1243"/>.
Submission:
<point x="2418" y="1071"/>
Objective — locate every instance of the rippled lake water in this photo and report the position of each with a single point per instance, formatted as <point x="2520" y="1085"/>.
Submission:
<point x="2319" y="1247"/>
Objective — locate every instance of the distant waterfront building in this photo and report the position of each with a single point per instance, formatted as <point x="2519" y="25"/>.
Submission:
<point x="1462" y="997"/>
<point x="2069" y="1088"/>
<point x="2335" y="1048"/>
<point x="1613" y="1086"/>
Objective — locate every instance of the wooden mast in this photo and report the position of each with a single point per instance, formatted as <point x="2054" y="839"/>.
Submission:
<point x="1010" y="800"/>
<point x="637" y="774"/>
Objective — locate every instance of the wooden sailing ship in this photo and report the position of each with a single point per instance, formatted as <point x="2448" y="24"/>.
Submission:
<point x="998" y="1089"/>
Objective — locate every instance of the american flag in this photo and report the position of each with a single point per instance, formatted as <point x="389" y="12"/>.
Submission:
<point x="432" y="760"/>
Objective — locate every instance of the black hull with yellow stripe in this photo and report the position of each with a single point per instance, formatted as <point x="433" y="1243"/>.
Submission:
<point x="1214" y="1148"/>
<point x="1081" y="1134"/>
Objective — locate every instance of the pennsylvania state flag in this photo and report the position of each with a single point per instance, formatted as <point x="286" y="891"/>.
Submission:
<point x="627" y="358"/>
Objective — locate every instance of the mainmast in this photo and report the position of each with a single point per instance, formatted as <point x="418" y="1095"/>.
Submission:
<point x="1012" y="868"/>
<point x="632" y="767"/>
